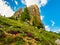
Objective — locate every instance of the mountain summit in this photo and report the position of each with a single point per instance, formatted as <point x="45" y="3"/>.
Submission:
<point x="34" y="13"/>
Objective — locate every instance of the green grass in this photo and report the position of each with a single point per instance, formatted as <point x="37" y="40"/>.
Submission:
<point x="46" y="38"/>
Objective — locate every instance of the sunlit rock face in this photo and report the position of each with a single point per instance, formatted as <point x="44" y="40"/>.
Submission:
<point x="35" y="15"/>
<point x="17" y="13"/>
<point x="34" y="11"/>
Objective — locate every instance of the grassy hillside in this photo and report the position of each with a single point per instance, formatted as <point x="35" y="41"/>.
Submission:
<point x="15" y="32"/>
<point x="25" y="29"/>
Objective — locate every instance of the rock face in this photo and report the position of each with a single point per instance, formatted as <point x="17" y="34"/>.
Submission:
<point x="18" y="13"/>
<point x="35" y="16"/>
<point x="34" y="11"/>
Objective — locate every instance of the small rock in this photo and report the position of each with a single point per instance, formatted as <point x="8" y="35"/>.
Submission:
<point x="35" y="27"/>
<point x="29" y="34"/>
<point x="57" y="41"/>
<point x="37" y="39"/>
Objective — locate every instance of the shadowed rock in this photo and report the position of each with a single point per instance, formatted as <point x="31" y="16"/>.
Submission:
<point x="29" y="34"/>
<point x="13" y="32"/>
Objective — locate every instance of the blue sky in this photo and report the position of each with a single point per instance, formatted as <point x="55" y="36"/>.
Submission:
<point x="50" y="12"/>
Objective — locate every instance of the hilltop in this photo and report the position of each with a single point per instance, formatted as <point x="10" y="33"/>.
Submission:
<point x="25" y="28"/>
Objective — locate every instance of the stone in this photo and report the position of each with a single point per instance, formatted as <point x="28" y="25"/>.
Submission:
<point x="57" y="41"/>
<point x="18" y="13"/>
<point x="35" y="16"/>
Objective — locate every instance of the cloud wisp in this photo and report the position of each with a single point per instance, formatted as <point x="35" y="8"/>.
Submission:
<point x="39" y="3"/>
<point x="5" y="9"/>
<point x="57" y="30"/>
<point x="53" y="23"/>
<point x="42" y="17"/>
<point x="47" y="28"/>
<point x="16" y="2"/>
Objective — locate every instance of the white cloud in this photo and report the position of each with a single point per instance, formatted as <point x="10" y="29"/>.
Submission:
<point x="43" y="2"/>
<point x="5" y="9"/>
<point x="53" y="23"/>
<point x="56" y="30"/>
<point x="16" y="2"/>
<point x="42" y="17"/>
<point x="47" y="28"/>
<point x="39" y="3"/>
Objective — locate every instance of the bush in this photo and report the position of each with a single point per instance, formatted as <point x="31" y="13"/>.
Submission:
<point x="25" y="15"/>
<point x="19" y="41"/>
<point x="9" y="40"/>
<point x="2" y="33"/>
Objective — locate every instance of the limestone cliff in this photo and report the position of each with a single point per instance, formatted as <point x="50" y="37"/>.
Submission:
<point x="17" y="13"/>
<point x="35" y="16"/>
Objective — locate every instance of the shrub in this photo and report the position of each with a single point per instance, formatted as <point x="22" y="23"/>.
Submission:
<point x="19" y="41"/>
<point x="9" y="40"/>
<point x="2" y="33"/>
<point x="25" y="15"/>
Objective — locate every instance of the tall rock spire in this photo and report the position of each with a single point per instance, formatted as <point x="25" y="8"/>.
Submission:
<point x="35" y="16"/>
